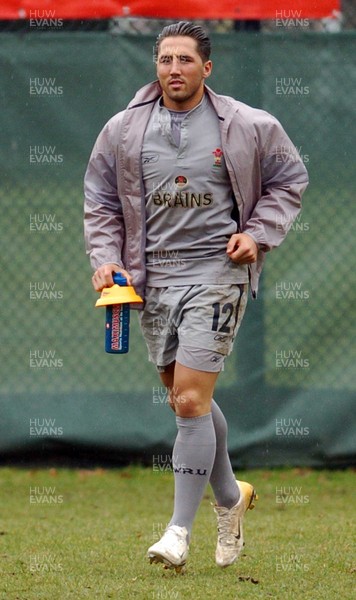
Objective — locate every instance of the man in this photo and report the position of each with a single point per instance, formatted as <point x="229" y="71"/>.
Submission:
<point x="185" y="190"/>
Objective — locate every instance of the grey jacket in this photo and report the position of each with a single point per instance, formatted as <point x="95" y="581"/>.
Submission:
<point x="267" y="175"/>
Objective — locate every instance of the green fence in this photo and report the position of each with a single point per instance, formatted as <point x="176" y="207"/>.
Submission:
<point x="288" y="388"/>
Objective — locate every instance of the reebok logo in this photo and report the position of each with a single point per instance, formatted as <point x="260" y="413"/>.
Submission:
<point x="149" y="158"/>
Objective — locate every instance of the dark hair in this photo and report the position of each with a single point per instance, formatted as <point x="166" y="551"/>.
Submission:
<point x="190" y="30"/>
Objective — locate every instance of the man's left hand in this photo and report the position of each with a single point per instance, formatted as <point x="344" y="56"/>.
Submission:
<point x="242" y="249"/>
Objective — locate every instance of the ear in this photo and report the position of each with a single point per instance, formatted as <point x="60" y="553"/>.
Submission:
<point x="207" y="69"/>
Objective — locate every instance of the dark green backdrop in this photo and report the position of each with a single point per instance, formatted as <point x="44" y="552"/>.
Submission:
<point x="288" y="390"/>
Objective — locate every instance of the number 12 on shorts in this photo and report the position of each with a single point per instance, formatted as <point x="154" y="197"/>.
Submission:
<point x="222" y="316"/>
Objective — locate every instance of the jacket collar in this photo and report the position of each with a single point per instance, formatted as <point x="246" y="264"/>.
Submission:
<point x="225" y="107"/>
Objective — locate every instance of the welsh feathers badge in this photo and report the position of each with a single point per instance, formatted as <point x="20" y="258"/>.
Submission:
<point x="218" y="154"/>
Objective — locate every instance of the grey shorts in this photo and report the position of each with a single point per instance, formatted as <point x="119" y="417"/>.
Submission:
<point x="195" y="325"/>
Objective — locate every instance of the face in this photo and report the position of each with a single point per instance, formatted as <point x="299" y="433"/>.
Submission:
<point x="181" y="72"/>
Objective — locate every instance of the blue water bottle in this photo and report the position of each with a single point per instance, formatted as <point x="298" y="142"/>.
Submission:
<point x="117" y="301"/>
<point x="117" y="323"/>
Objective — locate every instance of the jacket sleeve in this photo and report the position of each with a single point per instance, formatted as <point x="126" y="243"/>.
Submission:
<point x="283" y="181"/>
<point x="104" y="229"/>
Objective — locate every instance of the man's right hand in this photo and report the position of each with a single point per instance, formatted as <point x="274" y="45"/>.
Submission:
<point x="103" y="276"/>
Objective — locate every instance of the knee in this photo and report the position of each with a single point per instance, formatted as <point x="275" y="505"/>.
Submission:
<point x="167" y="380"/>
<point x="189" y="403"/>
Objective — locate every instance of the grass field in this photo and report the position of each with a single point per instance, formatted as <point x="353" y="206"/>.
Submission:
<point x="84" y="534"/>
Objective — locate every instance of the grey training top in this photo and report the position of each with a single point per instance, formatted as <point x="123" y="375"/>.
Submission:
<point x="190" y="209"/>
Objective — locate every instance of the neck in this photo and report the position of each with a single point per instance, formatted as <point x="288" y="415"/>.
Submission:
<point x="183" y="105"/>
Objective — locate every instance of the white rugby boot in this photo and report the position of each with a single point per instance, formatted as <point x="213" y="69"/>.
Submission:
<point x="230" y="525"/>
<point x="172" y="549"/>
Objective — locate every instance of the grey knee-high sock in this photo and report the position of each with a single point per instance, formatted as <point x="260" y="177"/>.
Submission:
<point x="193" y="458"/>
<point x="222" y="478"/>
